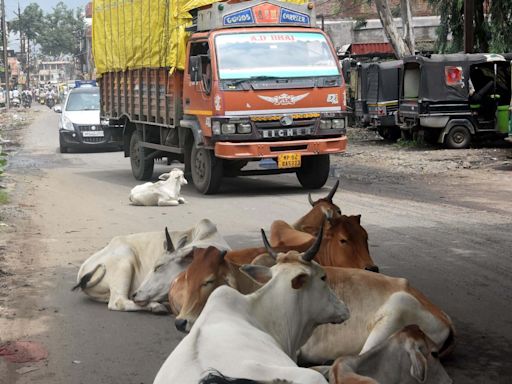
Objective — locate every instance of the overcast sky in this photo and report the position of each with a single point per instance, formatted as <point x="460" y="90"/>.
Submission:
<point x="47" y="5"/>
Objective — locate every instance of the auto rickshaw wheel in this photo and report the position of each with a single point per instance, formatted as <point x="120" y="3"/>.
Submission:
<point x="458" y="137"/>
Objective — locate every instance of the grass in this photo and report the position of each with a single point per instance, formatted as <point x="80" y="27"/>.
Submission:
<point x="4" y="197"/>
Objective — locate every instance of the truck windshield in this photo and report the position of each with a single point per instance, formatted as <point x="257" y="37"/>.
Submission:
<point x="83" y="102"/>
<point x="276" y="54"/>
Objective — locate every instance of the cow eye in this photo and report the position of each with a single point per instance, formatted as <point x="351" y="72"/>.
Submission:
<point x="435" y="354"/>
<point x="343" y="241"/>
<point x="206" y="283"/>
<point x="324" y="277"/>
<point x="158" y="267"/>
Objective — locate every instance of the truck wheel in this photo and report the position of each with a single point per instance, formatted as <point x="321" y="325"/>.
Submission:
<point x="206" y="170"/>
<point x="142" y="167"/>
<point x="314" y="171"/>
<point x="458" y="137"/>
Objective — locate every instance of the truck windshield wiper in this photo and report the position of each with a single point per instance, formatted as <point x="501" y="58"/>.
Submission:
<point x="254" y="78"/>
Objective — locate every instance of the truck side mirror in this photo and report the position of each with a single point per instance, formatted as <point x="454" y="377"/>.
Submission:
<point x="196" y="68"/>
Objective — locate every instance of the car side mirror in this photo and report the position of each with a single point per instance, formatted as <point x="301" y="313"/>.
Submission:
<point x="57" y="109"/>
<point x="196" y="68"/>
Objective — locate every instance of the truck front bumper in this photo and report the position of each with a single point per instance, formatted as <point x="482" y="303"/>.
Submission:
<point x="261" y="149"/>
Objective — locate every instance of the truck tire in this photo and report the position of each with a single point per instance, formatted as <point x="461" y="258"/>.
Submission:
<point x="389" y="133"/>
<point x="314" y="171"/>
<point x="458" y="137"/>
<point x="206" y="170"/>
<point x="142" y="167"/>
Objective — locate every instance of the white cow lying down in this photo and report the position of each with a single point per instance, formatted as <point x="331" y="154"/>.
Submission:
<point x="128" y="262"/>
<point x="163" y="192"/>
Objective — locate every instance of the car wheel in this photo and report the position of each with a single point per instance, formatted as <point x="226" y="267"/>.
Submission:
<point x="63" y="149"/>
<point x="314" y="171"/>
<point x="458" y="137"/>
<point x="206" y="170"/>
<point x="142" y="166"/>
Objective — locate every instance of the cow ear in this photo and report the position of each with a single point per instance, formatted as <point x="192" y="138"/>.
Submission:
<point x="164" y="176"/>
<point x="264" y="259"/>
<point x="418" y="362"/>
<point x="258" y="273"/>
<point x="299" y="281"/>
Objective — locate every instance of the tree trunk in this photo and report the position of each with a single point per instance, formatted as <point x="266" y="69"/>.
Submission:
<point x="407" y="25"/>
<point x="388" y="23"/>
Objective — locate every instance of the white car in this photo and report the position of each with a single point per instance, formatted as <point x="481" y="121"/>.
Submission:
<point x="80" y="125"/>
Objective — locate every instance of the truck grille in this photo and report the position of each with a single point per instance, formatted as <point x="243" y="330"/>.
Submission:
<point x="275" y="130"/>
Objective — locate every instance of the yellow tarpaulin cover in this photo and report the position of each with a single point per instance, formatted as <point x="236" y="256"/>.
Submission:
<point x="130" y="34"/>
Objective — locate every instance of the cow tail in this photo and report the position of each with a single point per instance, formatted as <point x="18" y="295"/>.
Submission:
<point x="215" y="377"/>
<point x="86" y="282"/>
<point x="449" y="343"/>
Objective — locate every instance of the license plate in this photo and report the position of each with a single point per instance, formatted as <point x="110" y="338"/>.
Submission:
<point x="93" y="134"/>
<point x="288" y="160"/>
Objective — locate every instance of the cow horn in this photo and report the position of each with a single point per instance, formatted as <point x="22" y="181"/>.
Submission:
<point x="310" y="200"/>
<point x="269" y="249"/>
<point x="170" y="246"/>
<point x="333" y="191"/>
<point x="313" y="250"/>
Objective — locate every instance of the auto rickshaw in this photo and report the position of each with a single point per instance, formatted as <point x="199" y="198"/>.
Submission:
<point x="453" y="98"/>
<point x="382" y="97"/>
<point x="361" y="88"/>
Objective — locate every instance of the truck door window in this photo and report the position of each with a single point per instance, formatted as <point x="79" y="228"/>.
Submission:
<point x="202" y="50"/>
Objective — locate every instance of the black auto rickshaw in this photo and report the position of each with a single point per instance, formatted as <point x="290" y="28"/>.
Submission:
<point x="452" y="98"/>
<point x="361" y="89"/>
<point x="382" y="97"/>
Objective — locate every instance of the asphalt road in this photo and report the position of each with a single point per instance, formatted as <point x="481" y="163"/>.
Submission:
<point x="70" y="205"/>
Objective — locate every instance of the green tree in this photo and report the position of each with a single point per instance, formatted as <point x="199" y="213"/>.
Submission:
<point x="63" y="28"/>
<point x="492" y="30"/>
<point x="30" y="22"/>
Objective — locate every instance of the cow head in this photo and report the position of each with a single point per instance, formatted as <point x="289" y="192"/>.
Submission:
<point x="175" y="176"/>
<point x="294" y="288"/>
<point x="207" y="271"/>
<point x="173" y="260"/>
<point x="413" y="356"/>
<point x="311" y="221"/>
<point x="346" y="243"/>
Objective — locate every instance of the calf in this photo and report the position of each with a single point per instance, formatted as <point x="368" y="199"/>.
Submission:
<point x="252" y="336"/>
<point x="162" y="193"/>
<point x="407" y="357"/>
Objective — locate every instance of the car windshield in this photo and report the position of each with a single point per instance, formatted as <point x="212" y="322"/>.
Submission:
<point x="274" y="54"/>
<point x="83" y="101"/>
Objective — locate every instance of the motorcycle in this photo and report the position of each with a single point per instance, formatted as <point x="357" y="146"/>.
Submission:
<point x="50" y="102"/>
<point x="26" y="101"/>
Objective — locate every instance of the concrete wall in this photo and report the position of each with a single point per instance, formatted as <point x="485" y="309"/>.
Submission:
<point x="342" y="32"/>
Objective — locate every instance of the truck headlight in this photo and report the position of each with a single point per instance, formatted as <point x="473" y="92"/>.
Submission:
<point x="228" y="128"/>
<point x="216" y="127"/>
<point x="67" y="124"/>
<point x="338" y="123"/>
<point x="104" y="122"/>
<point x="244" y="128"/>
<point x="325" y="124"/>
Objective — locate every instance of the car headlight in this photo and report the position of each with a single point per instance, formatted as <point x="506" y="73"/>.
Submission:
<point x="67" y="124"/>
<point x="325" y="124"/>
<point x="338" y="123"/>
<point x="228" y="128"/>
<point x="244" y="128"/>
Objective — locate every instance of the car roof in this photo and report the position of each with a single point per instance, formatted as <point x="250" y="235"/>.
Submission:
<point x="85" y="90"/>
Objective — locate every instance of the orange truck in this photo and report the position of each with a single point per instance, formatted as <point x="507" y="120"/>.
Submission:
<point x="228" y="88"/>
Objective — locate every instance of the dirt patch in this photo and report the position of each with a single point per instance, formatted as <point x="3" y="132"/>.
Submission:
<point x="23" y="351"/>
<point x="469" y="177"/>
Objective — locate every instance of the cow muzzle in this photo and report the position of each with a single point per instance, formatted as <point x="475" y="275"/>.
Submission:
<point x="372" y="268"/>
<point x="138" y="301"/>
<point x="181" y="325"/>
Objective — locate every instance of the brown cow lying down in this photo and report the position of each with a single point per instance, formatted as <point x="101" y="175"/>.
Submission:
<point x="379" y="306"/>
<point x="312" y="220"/>
<point x="407" y="357"/>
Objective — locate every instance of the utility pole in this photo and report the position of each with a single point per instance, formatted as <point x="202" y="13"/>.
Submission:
<point x="469" y="31"/>
<point x="6" y="60"/>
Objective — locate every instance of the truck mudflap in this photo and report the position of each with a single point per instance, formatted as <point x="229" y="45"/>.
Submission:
<point x="261" y="149"/>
